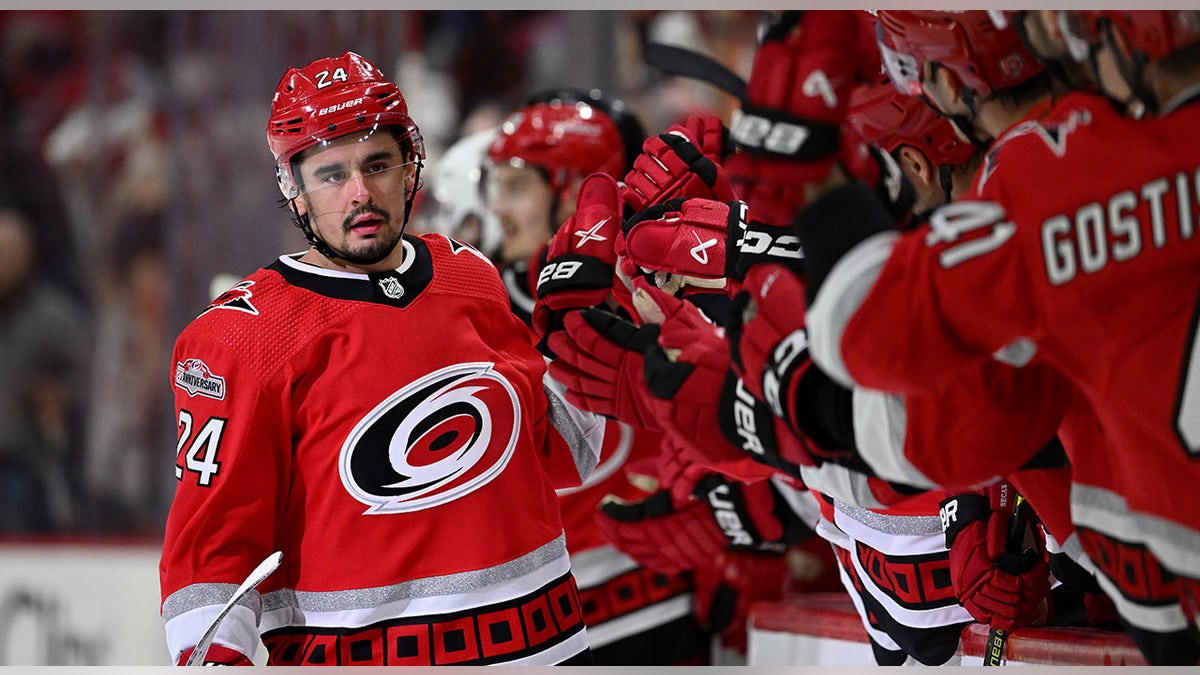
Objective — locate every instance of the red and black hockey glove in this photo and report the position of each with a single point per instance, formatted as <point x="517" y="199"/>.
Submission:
<point x="696" y="514"/>
<point x="579" y="268"/>
<point x="599" y="357"/>
<point x="685" y="237"/>
<point x="685" y="373"/>
<point x="998" y="563"/>
<point x="769" y="350"/>
<point x="659" y="533"/>
<point x="768" y="342"/>
<point x="669" y="534"/>
<point x="706" y="239"/>
<point x="788" y="128"/>
<point x="684" y="162"/>
<point x="695" y="396"/>
<point x="729" y="584"/>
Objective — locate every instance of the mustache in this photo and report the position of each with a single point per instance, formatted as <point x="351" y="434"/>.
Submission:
<point x="362" y="210"/>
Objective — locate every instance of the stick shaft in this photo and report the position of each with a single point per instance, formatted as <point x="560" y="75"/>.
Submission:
<point x="256" y="577"/>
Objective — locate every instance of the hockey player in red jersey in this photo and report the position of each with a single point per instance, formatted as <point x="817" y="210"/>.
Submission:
<point x="371" y="408"/>
<point x="874" y="541"/>
<point x="1092" y="278"/>
<point x="556" y="160"/>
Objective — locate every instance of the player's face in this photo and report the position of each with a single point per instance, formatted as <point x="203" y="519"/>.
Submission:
<point x="521" y="199"/>
<point x="353" y="193"/>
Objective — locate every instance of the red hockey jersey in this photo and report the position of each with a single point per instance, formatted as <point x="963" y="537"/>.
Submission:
<point x="1083" y="257"/>
<point x="390" y="434"/>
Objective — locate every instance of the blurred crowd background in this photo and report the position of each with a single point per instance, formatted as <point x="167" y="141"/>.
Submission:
<point x="135" y="184"/>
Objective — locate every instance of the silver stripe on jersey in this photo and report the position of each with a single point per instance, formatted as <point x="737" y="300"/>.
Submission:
<point x="609" y="464"/>
<point x="430" y="595"/>
<point x="840" y="296"/>
<point x="582" y="430"/>
<point x="890" y="524"/>
<point x="1176" y="546"/>
<point x="202" y="595"/>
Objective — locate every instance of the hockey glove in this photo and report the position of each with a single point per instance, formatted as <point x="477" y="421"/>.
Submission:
<point x="579" y="268"/>
<point x="695" y="516"/>
<point x="998" y="562"/>
<point x="685" y="374"/>
<point x="729" y="584"/>
<point x="788" y="127"/>
<point x="683" y="236"/>
<point x="599" y="358"/>
<point x="683" y="162"/>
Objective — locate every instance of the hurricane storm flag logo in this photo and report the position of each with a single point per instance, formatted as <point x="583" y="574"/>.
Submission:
<point x="433" y="441"/>
<point x="237" y="298"/>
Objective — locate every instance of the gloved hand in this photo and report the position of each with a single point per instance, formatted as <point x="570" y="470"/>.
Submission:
<point x="788" y="127"/>
<point x="599" y="357"/>
<point x="729" y="584"/>
<point x="769" y="350"/>
<point x="579" y="268"/>
<point x="684" y="237"/>
<point x="689" y="379"/>
<point x="769" y="345"/>
<point x="998" y="563"/>
<point x="685" y="374"/>
<point x="217" y="655"/>
<point x="683" y="162"/>
<point x="688" y="522"/>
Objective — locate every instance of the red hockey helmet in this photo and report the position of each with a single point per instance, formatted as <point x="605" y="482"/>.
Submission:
<point x="984" y="57"/>
<point x="889" y="119"/>
<point x="330" y="98"/>
<point x="567" y="139"/>
<point x="1155" y="34"/>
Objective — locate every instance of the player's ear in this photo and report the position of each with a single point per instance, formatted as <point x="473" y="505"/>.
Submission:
<point x="410" y="177"/>
<point x="914" y="163"/>
<point x="949" y="88"/>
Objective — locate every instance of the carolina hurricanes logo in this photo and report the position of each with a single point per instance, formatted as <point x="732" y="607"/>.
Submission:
<point x="434" y="441"/>
<point x="237" y="298"/>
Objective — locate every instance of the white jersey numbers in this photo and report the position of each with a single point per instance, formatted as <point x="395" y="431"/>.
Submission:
<point x="200" y="457"/>
<point x="958" y="218"/>
<point x="779" y="137"/>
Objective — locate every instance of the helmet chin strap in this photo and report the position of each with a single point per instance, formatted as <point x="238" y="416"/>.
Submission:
<point x="301" y="221"/>
<point x="946" y="181"/>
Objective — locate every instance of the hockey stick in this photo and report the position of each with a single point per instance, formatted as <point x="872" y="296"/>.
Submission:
<point x="256" y="577"/>
<point x="686" y="63"/>
<point x="993" y="654"/>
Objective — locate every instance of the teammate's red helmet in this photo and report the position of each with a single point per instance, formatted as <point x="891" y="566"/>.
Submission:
<point x="330" y="98"/>
<point x="567" y="139"/>
<point x="1153" y="33"/>
<point x="984" y="57"/>
<point x="889" y="119"/>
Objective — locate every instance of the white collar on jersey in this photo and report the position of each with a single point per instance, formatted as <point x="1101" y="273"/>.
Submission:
<point x="293" y="260"/>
